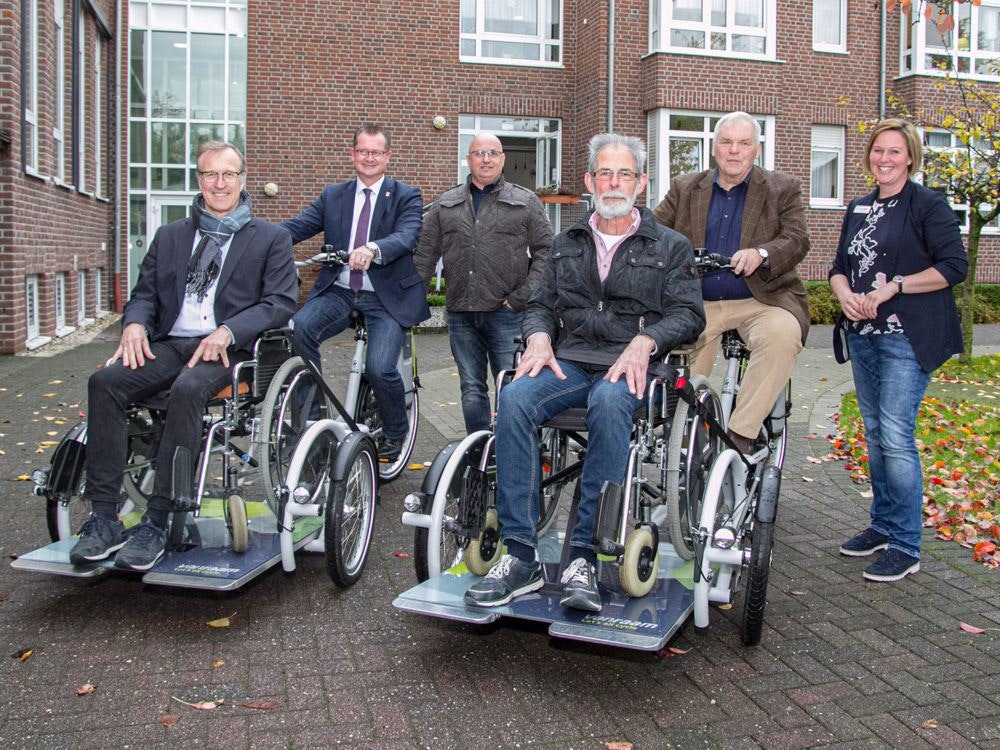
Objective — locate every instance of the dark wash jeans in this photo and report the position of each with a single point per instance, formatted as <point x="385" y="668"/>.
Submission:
<point x="110" y="392"/>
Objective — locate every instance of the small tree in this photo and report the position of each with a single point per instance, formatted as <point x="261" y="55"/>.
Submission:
<point x="969" y="171"/>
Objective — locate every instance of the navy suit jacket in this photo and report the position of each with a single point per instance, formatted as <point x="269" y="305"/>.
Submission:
<point x="257" y="288"/>
<point x="395" y="226"/>
<point x="925" y="234"/>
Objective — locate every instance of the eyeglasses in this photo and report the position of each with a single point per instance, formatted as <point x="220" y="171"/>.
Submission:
<point x="482" y="153"/>
<point x="364" y="153"/>
<point x="623" y="175"/>
<point x="213" y="176"/>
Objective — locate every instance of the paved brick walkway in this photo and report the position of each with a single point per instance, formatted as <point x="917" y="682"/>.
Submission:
<point x="843" y="663"/>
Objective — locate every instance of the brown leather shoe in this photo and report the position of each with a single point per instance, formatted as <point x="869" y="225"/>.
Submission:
<point x="742" y="443"/>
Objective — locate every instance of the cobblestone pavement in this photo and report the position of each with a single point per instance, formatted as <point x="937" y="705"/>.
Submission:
<point x="843" y="663"/>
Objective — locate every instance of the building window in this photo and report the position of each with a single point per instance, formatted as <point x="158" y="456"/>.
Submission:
<point x="59" y="91"/>
<point x="517" y="32"/>
<point x="60" y="289"/>
<point x="31" y="306"/>
<point x="826" y="180"/>
<point x="967" y="49"/>
<point x="681" y="142"/>
<point x="732" y="28"/>
<point x="81" y="297"/>
<point x="80" y="136"/>
<point x="98" y="291"/>
<point x="29" y="89"/>
<point x="830" y="25"/>
<point x="940" y="144"/>
<point x="98" y="114"/>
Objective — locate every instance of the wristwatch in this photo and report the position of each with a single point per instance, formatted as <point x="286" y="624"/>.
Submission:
<point x="373" y="249"/>
<point x="899" y="282"/>
<point x="763" y="254"/>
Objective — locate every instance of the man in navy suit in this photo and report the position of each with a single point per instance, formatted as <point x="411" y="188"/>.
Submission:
<point x="207" y="287"/>
<point x="377" y="219"/>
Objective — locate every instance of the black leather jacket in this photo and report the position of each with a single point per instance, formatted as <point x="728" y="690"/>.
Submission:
<point x="651" y="288"/>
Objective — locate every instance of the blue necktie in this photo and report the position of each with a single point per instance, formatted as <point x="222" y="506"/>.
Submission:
<point x="360" y="238"/>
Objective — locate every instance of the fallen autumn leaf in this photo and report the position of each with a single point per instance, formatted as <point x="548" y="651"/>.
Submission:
<point x="86" y="689"/>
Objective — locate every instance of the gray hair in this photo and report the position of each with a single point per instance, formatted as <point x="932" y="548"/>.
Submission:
<point x="602" y="141"/>
<point x="734" y="117"/>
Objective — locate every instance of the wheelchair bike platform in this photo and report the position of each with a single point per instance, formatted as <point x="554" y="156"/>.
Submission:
<point x="645" y="624"/>
<point x="210" y="564"/>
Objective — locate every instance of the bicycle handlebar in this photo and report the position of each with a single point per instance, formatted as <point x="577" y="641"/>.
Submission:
<point x="328" y="256"/>
<point x="708" y="262"/>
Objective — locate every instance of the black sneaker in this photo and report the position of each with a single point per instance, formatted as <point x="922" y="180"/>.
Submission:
<point x="144" y="547"/>
<point x="579" y="582"/>
<point x="892" y="565"/>
<point x="99" y="539"/>
<point x="864" y="544"/>
<point x="508" y="579"/>
<point x="389" y="448"/>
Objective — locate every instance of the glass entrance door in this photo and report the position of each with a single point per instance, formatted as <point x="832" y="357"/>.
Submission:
<point x="162" y="210"/>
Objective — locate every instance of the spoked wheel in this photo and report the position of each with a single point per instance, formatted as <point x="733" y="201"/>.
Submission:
<point x="293" y="401"/>
<point x="640" y="563"/>
<point x="691" y="449"/>
<point x="555" y="456"/>
<point x="367" y="414"/>
<point x="755" y="594"/>
<point x="446" y="494"/>
<point x="350" y="510"/>
<point x="236" y="514"/>
<point x="484" y="551"/>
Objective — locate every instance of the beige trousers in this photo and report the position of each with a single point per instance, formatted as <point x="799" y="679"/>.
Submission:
<point x="774" y="338"/>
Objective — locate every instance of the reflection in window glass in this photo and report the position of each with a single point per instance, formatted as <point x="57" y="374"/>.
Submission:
<point x="137" y="141"/>
<point x="237" y="78"/>
<point x="512" y="17"/>
<point x="162" y="178"/>
<point x="137" y="73"/>
<point x="685" y="156"/>
<point x="166" y="140"/>
<point x="208" y="87"/>
<point x="168" y="87"/>
<point x="201" y="132"/>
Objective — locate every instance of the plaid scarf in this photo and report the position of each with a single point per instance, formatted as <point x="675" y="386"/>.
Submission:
<point x="204" y="267"/>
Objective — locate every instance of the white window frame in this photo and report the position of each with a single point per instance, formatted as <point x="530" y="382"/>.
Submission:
<point x="81" y="298"/>
<point x="80" y="140"/>
<point x="917" y="56"/>
<point x="98" y="114"/>
<point x="542" y="39"/>
<point x="658" y="135"/>
<point x="828" y="139"/>
<point x="98" y="296"/>
<point x="60" y="306"/>
<point x="29" y="37"/>
<point x="962" y="209"/>
<point x="59" y="123"/>
<point x="661" y="23"/>
<point x="32" y="320"/>
<point x="821" y="18"/>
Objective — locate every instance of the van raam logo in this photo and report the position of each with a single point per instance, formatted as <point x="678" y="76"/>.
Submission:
<point x="617" y="622"/>
<point x="206" y="570"/>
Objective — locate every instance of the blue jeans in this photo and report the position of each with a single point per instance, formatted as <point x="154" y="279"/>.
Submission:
<point x="526" y="404"/>
<point x="474" y="336"/>
<point x="890" y="385"/>
<point x="328" y="314"/>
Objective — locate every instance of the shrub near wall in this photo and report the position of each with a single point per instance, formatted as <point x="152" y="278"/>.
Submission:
<point x="824" y="308"/>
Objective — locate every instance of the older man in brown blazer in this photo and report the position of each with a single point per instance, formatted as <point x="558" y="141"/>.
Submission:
<point x="756" y="218"/>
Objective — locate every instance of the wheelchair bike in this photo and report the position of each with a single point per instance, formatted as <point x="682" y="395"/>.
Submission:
<point x="686" y="482"/>
<point x="229" y="525"/>
<point x="359" y="399"/>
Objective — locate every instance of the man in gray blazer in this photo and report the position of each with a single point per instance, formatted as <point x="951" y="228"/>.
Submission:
<point x="756" y="218"/>
<point x="207" y="287"/>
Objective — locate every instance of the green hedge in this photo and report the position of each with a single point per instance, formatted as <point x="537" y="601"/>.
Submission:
<point x="824" y="308"/>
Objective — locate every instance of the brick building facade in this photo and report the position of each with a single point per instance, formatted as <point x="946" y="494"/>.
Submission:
<point x="57" y="167"/>
<point x="536" y="72"/>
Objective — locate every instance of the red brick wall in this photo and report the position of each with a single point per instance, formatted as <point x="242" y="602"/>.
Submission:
<point x="46" y="228"/>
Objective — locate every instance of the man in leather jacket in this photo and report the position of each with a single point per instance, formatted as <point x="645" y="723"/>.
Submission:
<point x="618" y="291"/>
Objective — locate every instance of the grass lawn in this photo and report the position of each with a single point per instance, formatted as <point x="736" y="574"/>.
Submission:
<point x="958" y="436"/>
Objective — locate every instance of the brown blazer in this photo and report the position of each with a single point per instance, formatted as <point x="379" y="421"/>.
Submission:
<point x="773" y="218"/>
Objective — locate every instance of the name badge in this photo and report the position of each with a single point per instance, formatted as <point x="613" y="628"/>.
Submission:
<point x="862" y="208"/>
